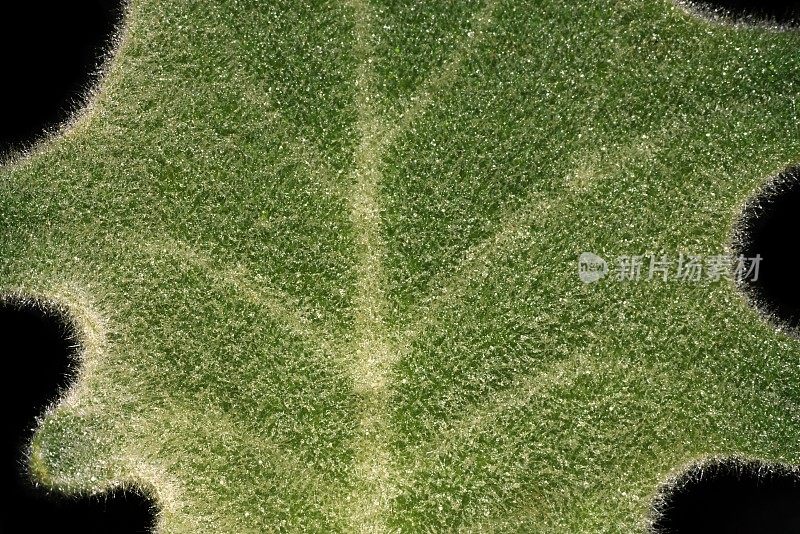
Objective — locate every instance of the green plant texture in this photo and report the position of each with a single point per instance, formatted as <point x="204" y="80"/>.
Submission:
<point x="322" y="258"/>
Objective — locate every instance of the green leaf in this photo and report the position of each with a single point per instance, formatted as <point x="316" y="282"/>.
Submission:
<point x="323" y="258"/>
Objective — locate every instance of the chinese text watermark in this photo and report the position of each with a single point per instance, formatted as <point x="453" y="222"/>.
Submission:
<point x="680" y="268"/>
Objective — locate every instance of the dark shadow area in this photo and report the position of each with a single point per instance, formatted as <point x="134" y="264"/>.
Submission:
<point x="38" y="355"/>
<point x="769" y="227"/>
<point x="732" y="497"/>
<point x="785" y="12"/>
<point x="52" y="54"/>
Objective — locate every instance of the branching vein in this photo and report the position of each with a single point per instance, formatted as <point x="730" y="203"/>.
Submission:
<point x="373" y="354"/>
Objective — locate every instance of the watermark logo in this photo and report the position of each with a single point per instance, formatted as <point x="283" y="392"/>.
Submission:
<point x="680" y="268"/>
<point x="591" y="267"/>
